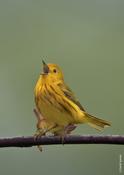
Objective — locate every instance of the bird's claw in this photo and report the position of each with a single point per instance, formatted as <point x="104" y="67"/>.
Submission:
<point x="67" y="130"/>
<point x="39" y="133"/>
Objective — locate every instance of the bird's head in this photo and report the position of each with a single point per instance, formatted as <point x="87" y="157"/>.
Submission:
<point x="51" y="72"/>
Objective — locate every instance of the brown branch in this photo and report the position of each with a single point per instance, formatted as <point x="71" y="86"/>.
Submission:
<point x="52" y="140"/>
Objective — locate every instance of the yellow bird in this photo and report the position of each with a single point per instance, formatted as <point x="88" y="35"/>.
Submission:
<point x="57" y="109"/>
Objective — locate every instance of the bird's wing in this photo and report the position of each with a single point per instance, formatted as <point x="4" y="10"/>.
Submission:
<point x="69" y="94"/>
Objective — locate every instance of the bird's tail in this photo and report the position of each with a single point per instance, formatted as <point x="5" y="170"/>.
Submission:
<point x="95" y="122"/>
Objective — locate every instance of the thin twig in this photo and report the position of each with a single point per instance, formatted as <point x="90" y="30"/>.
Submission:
<point x="52" y="140"/>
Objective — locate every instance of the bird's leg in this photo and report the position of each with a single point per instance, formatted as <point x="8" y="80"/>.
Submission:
<point x="49" y="129"/>
<point x="41" y="126"/>
<point x="41" y="123"/>
<point x="38" y="114"/>
<point x="67" y="130"/>
<point x="70" y="128"/>
<point x="40" y="132"/>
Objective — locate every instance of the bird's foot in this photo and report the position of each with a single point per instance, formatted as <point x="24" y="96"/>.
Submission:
<point x="39" y="133"/>
<point x="67" y="130"/>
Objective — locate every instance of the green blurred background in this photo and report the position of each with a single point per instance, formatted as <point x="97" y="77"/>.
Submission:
<point x="86" y="38"/>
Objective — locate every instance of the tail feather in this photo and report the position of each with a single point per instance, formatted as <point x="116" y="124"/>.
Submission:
<point x="96" y="123"/>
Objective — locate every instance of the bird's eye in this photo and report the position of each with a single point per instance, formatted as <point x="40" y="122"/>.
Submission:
<point x="54" y="70"/>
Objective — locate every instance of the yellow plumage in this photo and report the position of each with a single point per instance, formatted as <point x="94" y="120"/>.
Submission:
<point x="57" y="106"/>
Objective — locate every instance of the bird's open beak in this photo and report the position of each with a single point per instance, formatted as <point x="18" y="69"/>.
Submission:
<point x="45" y="68"/>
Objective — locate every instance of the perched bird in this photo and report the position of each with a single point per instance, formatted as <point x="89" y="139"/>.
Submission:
<point x="57" y="109"/>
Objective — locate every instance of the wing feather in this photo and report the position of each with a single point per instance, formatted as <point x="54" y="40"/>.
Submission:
<point x="69" y="94"/>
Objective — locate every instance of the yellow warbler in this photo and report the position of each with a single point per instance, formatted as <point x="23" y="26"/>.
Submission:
<point x="57" y="109"/>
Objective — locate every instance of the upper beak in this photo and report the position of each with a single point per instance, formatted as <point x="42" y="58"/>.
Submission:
<point x="45" y="68"/>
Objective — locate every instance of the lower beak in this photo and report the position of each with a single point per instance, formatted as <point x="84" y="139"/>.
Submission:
<point x="42" y="73"/>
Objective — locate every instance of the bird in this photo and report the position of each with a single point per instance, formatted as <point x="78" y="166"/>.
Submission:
<point x="58" y="111"/>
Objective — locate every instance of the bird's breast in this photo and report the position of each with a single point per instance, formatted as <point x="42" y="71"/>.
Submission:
<point x="52" y="107"/>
